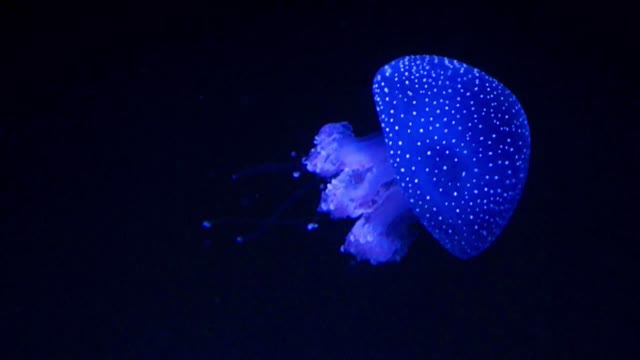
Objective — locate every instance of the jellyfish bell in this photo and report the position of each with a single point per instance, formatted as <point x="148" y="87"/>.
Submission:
<point x="453" y="153"/>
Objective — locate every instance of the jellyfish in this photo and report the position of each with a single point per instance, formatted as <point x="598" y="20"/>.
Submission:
<point x="453" y="153"/>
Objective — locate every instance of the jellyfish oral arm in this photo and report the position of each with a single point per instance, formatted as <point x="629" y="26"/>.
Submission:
<point x="361" y="185"/>
<point x="381" y="235"/>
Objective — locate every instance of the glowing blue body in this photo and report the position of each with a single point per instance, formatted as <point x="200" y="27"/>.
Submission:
<point x="459" y="143"/>
<point x="454" y="152"/>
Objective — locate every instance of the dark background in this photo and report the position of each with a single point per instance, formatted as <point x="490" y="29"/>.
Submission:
<point x="120" y="128"/>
